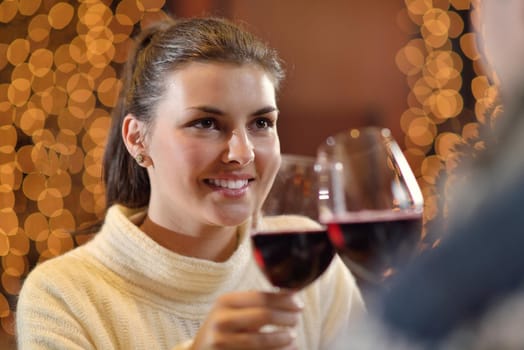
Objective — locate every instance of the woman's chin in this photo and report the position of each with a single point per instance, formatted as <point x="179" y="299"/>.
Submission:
<point x="232" y="219"/>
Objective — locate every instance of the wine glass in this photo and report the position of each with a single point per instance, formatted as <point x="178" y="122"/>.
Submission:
<point x="290" y="246"/>
<point x="371" y="203"/>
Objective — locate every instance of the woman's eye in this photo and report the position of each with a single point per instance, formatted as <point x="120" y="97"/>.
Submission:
<point x="207" y="123"/>
<point x="263" y="123"/>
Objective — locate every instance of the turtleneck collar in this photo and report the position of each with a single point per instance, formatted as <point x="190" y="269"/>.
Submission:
<point x="127" y="251"/>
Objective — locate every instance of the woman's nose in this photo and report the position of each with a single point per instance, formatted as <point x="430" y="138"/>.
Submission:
<point x="239" y="149"/>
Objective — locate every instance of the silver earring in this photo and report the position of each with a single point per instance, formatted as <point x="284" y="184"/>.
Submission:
<point x="139" y="158"/>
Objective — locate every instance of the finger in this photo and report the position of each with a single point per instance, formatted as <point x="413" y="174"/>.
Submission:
<point x="281" y="338"/>
<point x="252" y="319"/>
<point x="279" y="300"/>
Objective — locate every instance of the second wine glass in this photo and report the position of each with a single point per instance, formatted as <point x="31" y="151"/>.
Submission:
<point x="371" y="203"/>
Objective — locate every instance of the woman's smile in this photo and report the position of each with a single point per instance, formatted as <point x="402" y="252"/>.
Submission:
<point x="229" y="187"/>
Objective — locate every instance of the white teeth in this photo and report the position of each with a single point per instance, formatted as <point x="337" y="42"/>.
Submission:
<point x="231" y="184"/>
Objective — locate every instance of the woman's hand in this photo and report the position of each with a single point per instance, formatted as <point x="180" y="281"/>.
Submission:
<point x="237" y="319"/>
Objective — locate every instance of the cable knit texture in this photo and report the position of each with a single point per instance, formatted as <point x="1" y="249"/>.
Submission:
<point x="122" y="290"/>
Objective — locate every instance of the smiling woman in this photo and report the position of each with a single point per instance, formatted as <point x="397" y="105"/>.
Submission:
<point x="225" y="155"/>
<point x="192" y="153"/>
<point x="215" y="127"/>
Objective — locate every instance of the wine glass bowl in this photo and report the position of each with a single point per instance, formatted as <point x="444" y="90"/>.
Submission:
<point x="295" y="188"/>
<point x="370" y="201"/>
<point x="290" y="246"/>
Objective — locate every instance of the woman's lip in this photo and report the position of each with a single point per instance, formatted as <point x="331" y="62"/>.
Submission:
<point x="232" y="177"/>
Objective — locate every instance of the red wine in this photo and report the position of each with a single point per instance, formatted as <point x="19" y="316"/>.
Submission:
<point x="292" y="260"/>
<point x="377" y="240"/>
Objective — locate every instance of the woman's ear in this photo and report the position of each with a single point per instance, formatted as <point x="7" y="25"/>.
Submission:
<point x="133" y="134"/>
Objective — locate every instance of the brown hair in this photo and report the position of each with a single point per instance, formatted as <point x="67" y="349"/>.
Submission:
<point x="159" y="50"/>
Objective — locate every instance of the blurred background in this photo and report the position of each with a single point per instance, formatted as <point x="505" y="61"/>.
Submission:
<point x="409" y="65"/>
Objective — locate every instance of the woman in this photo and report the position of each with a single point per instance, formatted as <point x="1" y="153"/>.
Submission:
<point x="191" y="156"/>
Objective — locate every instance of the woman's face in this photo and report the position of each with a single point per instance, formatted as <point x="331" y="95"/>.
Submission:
<point x="213" y="145"/>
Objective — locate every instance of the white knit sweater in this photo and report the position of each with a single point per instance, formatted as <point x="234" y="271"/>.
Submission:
<point x="122" y="290"/>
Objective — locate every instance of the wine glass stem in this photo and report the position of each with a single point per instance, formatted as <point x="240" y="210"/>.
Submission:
<point x="270" y="328"/>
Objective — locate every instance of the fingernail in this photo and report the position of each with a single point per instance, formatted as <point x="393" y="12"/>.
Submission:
<point x="292" y="334"/>
<point x="298" y="301"/>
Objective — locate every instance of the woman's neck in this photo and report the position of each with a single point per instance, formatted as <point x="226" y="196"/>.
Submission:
<point x="214" y="246"/>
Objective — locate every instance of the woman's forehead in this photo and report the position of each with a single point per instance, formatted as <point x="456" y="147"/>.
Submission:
<point x="217" y="79"/>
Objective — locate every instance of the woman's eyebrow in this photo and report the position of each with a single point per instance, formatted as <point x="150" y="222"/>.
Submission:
<point x="265" y="110"/>
<point x="214" y="110"/>
<point x="208" y="109"/>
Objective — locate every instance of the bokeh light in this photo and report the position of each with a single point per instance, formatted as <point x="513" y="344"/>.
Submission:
<point x="441" y="112"/>
<point x="59" y="81"/>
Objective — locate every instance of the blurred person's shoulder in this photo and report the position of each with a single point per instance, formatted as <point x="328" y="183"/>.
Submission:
<point x="499" y="328"/>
